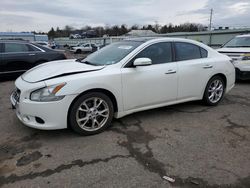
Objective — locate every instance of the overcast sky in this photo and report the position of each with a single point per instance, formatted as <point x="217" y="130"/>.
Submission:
<point x="41" y="15"/>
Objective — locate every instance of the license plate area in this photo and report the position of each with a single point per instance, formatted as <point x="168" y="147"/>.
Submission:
<point x="16" y="95"/>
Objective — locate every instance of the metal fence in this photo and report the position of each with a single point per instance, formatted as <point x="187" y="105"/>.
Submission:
<point x="212" y="38"/>
<point x="99" y="41"/>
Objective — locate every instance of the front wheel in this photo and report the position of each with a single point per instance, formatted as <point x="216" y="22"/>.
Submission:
<point x="91" y="113"/>
<point x="214" y="91"/>
<point x="78" y="51"/>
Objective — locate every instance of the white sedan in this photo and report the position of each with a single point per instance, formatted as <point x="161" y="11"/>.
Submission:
<point x="88" y="47"/>
<point x="120" y="79"/>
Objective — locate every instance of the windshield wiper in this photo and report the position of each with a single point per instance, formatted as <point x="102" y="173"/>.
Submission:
<point x="88" y="63"/>
<point x="85" y="62"/>
<point x="79" y="60"/>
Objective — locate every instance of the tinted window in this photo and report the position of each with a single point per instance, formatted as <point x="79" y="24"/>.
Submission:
<point x="238" y="42"/>
<point x="203" y="53"/>
<point x="158" y="53"/>
<point x="1" y="47"/>
<point x="15" y="47"/>
<point x="186" y="51"/>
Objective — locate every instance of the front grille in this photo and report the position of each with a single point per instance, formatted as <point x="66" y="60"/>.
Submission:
<point x="233" y="55"/>
<point x="16" y="94"/>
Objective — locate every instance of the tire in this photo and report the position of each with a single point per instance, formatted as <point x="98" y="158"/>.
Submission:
<point x="78" y="51"/>
<point x="86" y="118"/>
<point x="214" y="91"/>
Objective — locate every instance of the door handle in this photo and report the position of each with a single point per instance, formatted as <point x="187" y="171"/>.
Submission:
<point x="32" y="54"/>
<point x="208" y="66"/>
<point x="171" y="72"/>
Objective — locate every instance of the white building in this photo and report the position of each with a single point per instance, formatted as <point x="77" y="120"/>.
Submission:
<point x="23" y="35"/>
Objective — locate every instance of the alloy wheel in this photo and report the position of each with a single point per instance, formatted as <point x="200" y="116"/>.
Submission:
<point x="215" y="91"/>
<point x="92" y="114"/>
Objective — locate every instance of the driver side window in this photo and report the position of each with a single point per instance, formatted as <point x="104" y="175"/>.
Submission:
<point x="159" y="53"/>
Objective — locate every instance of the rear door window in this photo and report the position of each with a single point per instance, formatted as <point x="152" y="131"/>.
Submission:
<point x="16" y="47"/>
<point x="203" y="53"/>
<point x="187" y="51"/>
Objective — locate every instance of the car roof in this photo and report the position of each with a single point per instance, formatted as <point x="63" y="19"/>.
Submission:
<point x="141" y="39"/>
<point x="152" y="39"/>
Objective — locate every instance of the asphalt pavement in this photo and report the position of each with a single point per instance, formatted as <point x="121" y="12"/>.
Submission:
<point x="196" y="145"/>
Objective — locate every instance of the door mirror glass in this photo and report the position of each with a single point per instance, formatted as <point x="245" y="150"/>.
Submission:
<point x="142" y="62"/>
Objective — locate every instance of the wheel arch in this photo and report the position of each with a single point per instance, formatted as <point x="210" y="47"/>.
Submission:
<point x="78" y="50"/>
<point x="101" y="90"/>
<point x="223" y="76"/>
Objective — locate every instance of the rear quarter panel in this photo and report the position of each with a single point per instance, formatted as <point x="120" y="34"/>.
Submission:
<point x="224" y="66"/>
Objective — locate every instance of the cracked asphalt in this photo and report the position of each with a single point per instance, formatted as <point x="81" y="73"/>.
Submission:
<point x="198" y="146"/>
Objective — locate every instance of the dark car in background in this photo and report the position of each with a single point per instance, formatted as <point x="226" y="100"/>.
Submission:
<point x="20" y="56"/>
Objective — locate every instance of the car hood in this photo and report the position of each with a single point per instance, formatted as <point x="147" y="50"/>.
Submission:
<point x="57" y="69"/>
<point x="234" y="50"/>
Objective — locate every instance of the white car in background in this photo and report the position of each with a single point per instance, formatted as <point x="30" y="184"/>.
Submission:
<point x="239" y="50"/>
<point x="43" y="43"/>
<point x="87" y="47"/>
<point x="46" y="44"/>
<point x="120" y="79"/>
<point x="75" y="36"/>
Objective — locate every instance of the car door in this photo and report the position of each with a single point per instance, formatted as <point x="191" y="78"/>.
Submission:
<point x="153" y="84"/>
<point x="87" y="48"/>
<point x="194" y="70"/>
<point x="17" y="57"/>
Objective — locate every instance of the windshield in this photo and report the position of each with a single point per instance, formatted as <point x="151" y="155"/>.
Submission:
<point x="112" y="53"/>
<point x="238" y="42"/>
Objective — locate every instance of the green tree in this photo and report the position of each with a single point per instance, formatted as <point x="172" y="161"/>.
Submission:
<point x="51" y="33"/>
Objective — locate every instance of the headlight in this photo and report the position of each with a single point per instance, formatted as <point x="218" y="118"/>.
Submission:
<point x="47" y="94"/>
<point x="246" y="58"/>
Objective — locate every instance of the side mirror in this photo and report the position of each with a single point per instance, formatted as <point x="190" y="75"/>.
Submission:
<point x="142" y="62"/>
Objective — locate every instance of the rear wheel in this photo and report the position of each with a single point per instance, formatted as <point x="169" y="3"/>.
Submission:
<point x="78" y="51"/>
<point x="91" y="113"/>
<point x="214" y="91"/>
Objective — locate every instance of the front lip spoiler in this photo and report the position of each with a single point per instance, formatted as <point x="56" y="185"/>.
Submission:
<point x="65" y="74"/>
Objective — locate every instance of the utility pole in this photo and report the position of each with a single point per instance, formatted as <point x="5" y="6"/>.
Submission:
<point x="156" y="27"/>
<point x="210" y="20"/>
<point x="210" y="27"/>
